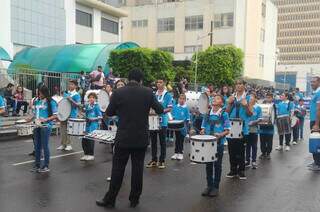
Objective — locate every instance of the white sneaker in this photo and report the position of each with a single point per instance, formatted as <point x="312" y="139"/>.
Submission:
<point x="62" y="147"/>
<point x="294" y="143"/>
<point x="180" y="157"/>
<point x="90" y="157"/>
<point x="83" y="158"/>
<point x="68" y="148"/>
<point x="279" y="148"/>
<point x="174" y="157"/>
<point x="287" y="148"/>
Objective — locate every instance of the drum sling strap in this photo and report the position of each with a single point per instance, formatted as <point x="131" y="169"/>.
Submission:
<point x="214" y="123"/>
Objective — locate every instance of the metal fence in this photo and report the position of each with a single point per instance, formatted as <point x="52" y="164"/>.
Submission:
<point x="29" y="79"/>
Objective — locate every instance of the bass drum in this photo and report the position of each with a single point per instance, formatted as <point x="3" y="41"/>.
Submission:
<point x="103" y="98"/>
<point x="192" y="101"/>
<point x="64" y="107"/>
<point x="204" y="103"/>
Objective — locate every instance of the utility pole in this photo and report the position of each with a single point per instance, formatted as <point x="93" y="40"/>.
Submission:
<point x="211" y="34"/>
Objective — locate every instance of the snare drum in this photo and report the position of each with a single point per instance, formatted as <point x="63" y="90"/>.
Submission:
<point x="267" y="114"/>
<point x="103" y="98"/>
<point x="202" y="148"/>
<point x="283" y="125"/>
<point x="192" y="101"/>
<point x="236" y="128"/>
<point x="24" y="129"/>
<point x="64" y="107"/>
<point x="175" y="125"/>
<point x="154" y="122"/>
<point x="203" y="103"/>
<point x="314" y="143"/>
<point x="76" y="127"/>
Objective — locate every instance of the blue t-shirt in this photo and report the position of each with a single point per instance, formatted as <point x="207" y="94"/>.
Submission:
<point x="257" y="114"/>
<point x="284" y="108"/>
<point x="92" y="111"/>
<point x="2" y="104"/>
<point x="166" y="101"/>
<point x="313" y="104"/>
<point x="75" y="97"/>
<point x="41" y="110"/>
<point x="216" y="123"/>
<point x="242" y="114"/>
<point x="181" y="112"/>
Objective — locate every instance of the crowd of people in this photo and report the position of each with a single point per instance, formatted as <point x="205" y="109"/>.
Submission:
<point x="129" y="109"/>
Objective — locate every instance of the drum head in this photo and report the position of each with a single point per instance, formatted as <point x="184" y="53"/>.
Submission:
<point x="203" y="138"/>
<point x="57" y="99"/>
<point x="203" y="103"/>
<point x="21" y="121"/>
<point x="64" y="109"/>
<point x="103" y="98"/>
<point x="175" y="121"/>
<point x="192" y="100"/>
<point x="77" y="120"/>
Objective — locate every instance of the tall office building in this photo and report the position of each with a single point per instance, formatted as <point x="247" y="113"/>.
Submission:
<point x="298" y="41"/>
<point x="182" y="27"/>
<point x="57" y="22"/>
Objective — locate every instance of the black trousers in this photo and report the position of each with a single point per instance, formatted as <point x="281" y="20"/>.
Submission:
<point x="179" y="142"/>
<point x="236" y="148"/>
<point x="287" y="138"/>
<point x="120" y="160"/>
<point x="316" y="156"/>
<point x="266" y="142"/>
<point x="88" y="146"/>
<point x="20" y="104"/>
<point x="163" y="144"/>
<point x="295" y="133"/>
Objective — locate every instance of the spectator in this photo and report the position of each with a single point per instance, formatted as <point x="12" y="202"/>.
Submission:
<point x="19" y="96"/>
<point x="97" y="78"/>
<point x="8" y="95"/>
<point x="110" y="77"/>
<point x="119" y="84"/>
<point x="108" y="89"/>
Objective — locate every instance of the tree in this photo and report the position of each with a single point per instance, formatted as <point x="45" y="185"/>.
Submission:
<point x="154" y="63"/>
<point x="219" y="65"/>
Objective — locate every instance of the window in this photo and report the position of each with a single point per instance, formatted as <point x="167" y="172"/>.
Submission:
<point x="191" y="49"/>
<point x="223" y="20"/>
<point x="194" y="22"/>
<point x="165" y="24"/>
<point x="167" y="49"/>
<point x="263" y="12"/>
<point x="261" y="60"/>
<point x="83" y="18"/>
<point x="140" y="23"/>
<point x="109" y="26"/>
<point x="262" y="35"/>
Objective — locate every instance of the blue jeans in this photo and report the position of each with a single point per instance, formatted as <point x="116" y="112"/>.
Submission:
<point x="214" y="182"/>
<point x="301" y="126"/>
<point x="252" y="146"/>
<point x="41" y="140"/>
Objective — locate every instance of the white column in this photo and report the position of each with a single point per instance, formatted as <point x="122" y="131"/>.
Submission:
<point x="70" y="9"/>
<point x="96" y="26"/>
<point x="5" y="29"/>
<point x="120" y="24"/>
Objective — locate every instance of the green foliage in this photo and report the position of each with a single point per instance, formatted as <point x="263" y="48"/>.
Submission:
<point x="219" y="65"/>
<point x="154" y="63"/>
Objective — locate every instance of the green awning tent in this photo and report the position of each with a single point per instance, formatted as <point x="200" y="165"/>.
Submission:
<point x="4" y="55"/>
<point x="68" y="58"/>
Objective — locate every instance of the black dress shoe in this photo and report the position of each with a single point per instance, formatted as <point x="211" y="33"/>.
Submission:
<point x="134" y="204"/>
<point x="106" y="204"/>
<point x="32" y="153"/>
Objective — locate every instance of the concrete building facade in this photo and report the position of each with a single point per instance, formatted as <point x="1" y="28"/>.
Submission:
<point x="182" y="27"/>
<point x="57" y="22"/>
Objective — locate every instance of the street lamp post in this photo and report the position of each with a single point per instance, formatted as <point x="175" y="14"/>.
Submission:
<point x="197" y="50"/>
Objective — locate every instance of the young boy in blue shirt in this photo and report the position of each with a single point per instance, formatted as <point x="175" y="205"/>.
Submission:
<point x="93" y="115"/>
<point x="180" y="112"/>
<point x="215" y="123"/>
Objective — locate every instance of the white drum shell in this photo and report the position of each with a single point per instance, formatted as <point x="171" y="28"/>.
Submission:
<point x="103" y="98"/>
<point x="76" y="127"/>
<point x="154" y="122"/>
<point x="236" y="129"/>
<point x="24" y="129"/>
<point x="267" y="112"/>
<point x="203" y="150"/>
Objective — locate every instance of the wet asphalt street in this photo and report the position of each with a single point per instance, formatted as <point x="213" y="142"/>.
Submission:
<point x="283" y="184"/>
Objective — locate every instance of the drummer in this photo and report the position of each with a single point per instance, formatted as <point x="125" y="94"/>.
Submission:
<point x="215" y="123"/>
<point x="181" y="112"/>
<point x="93" y="115"/>
<point x="285" y="107"/>
<point x="266" y="133"/>
<point x="75" y="99"/>
<point x="240" y="106"/>
<point x="165" y="99"/>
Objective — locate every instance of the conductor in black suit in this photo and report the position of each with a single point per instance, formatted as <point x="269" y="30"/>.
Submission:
<point x="132" y="105"/>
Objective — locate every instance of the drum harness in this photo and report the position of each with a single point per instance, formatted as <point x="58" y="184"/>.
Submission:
<point x="214" y="122"/>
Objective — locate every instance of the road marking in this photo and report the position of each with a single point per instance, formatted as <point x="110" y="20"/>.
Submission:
<point x="57" y="156"/>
